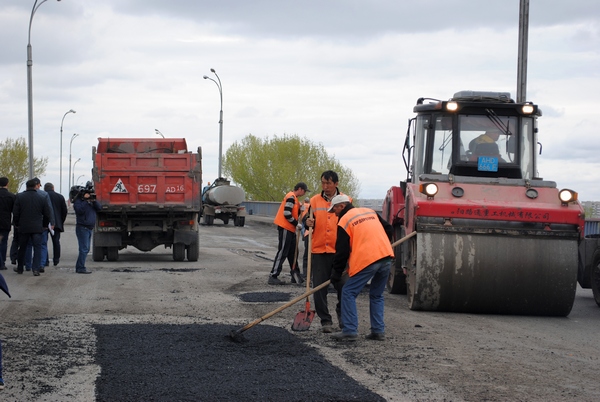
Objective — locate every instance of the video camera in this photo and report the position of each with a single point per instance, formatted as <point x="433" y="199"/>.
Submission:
<point x="80" y="191"/>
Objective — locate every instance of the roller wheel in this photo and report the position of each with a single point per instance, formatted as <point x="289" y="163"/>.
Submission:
<point x="98" y="253"/>
<point x="112" y="253"/>
<point x="192" y="251"/>
<point x="596" y="277"/>
<point x="178" y="251"/>
<point x="209" y="219"/>
<point x="396" y="283"/>
<point x="240" y="221"/>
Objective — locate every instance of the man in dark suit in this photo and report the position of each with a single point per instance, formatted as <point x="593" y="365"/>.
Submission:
<point x="59" y="207"/>
<point x="30" y="210"/>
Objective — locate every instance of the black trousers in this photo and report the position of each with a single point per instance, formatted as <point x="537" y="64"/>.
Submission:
<point x="285" y="250"/>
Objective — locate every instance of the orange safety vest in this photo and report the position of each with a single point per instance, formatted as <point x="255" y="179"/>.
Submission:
<point x="368" y="240"/>
<point x="280" y="219"/>
<point x="324" y="234"/>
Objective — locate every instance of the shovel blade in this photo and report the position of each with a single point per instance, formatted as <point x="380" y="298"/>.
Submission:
<point x="303" y="320"/>
<point x="297" y="277"/>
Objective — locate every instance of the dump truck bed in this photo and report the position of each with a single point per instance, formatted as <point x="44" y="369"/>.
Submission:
<point x="147" y="175"/>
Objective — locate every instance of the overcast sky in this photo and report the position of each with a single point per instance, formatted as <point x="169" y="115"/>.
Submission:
<point x="345" y="73"/>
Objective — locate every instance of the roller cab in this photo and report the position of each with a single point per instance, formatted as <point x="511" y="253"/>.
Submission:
<point x="492" y="236"/>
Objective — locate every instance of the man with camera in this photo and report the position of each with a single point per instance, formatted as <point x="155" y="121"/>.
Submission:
<point x="85" y="206"/>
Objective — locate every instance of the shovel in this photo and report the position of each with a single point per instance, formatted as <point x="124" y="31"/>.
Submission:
<point x="295" y="271"/>
<point x="304" y="318"/>
<point x="238" y="335"/>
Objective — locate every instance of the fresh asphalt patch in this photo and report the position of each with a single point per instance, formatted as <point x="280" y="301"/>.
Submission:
<point x="200" y="362"/>
<point x="264" y="297"/>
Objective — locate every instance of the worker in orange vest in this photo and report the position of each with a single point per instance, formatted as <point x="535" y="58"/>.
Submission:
<point x="323" y="247"/>
<point x="363" y="245"/>
<point x="287" y="224"/>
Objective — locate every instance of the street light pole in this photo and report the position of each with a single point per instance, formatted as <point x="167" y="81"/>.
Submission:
<point x="61" y="147"/>
<point x="30" y="89"/>
<point x="157" y="132"/>
<point x="78" y="159"/>
<point x="70" y="146"/>
<point x="220" y="115"/>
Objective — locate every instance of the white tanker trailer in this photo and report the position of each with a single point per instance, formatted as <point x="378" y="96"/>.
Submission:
<point x="221" y="200"/>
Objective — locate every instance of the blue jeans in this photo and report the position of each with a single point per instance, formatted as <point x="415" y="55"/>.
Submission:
<point x="378" y="273"/>
<point x="44" y="256"/>
<point x="84" y="237"/>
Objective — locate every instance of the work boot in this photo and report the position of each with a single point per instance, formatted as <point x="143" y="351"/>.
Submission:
<point x="275" y="281"/>
<point x="327" y="328"/>
<point x="376" y="336"/>
<point x="344" y="336"/>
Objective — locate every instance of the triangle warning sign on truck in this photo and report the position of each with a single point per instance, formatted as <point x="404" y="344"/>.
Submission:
<point x="119" y="187"/>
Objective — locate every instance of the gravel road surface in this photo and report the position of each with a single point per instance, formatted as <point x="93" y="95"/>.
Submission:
<point x="146" y="328"/>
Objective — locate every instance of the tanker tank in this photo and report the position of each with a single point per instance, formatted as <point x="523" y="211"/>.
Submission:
<point x="221" y="200"/>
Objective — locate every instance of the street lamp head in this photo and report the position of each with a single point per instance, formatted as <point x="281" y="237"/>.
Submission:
<point x="212" y="70"/>
<point x="71" y="111"/>
<point x="206" y="77"/>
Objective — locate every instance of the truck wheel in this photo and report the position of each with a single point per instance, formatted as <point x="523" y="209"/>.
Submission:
<point x="397" y="280"/>
<point x="178" y="251"/>
<point x="112" y="253"/>
<point x="98" y="253"/>
<point x="209" y="219"/>
<point x="240" y="221"/>
<point x="192" y="252"/>
<point x="595" y="274"/>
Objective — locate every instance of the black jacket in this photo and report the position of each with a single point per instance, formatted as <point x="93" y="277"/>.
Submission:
<point x="30" y="210"/>
<point x="7" y="202"/>
<point x="59" y="206"/>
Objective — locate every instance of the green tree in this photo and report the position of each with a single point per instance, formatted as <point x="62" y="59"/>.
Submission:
<point x="268" y="168"/>
<point x="14" y="163"/>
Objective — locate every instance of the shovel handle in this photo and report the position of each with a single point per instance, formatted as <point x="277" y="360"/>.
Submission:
<point x="309" y="267"/>
<point x="283" y="307"/>
<point x="402" y="240"/>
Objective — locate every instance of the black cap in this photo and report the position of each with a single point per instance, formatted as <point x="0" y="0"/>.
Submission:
<point x="303" y="186"/>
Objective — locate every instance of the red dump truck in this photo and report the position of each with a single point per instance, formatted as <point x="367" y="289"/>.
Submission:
<point x="149" y="190"/>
